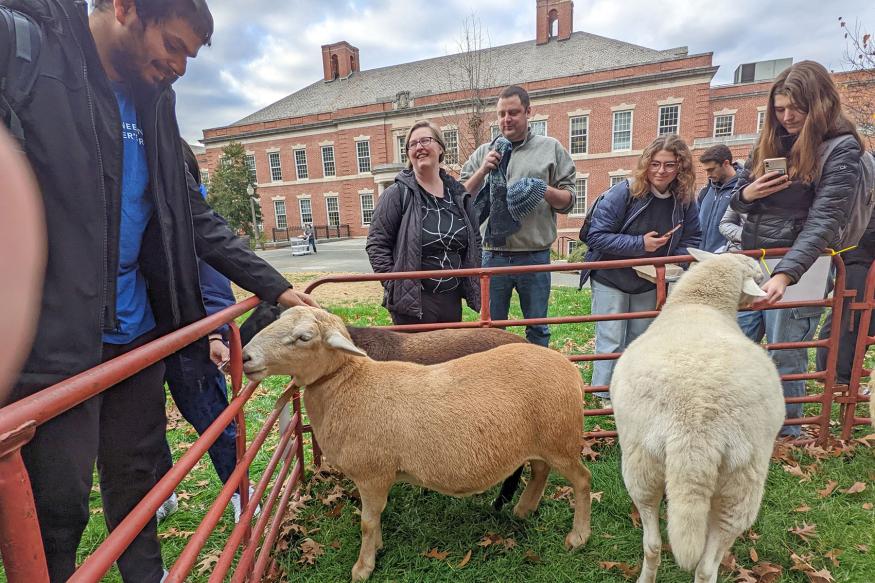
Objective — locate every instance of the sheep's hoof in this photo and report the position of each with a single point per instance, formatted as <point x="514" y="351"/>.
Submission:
<point x="361" y="572"/>
<point x="521" y="511"/>
<point x="575" y="540"/>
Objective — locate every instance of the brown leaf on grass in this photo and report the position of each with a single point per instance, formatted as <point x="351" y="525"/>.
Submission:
<point x="803" y="508"/>
<point x="509" y="543"/>
<point x="867" y="506"/>
<point x="833" y="556"/>
<point x="562" y="493"/>
<point x="743" y="575"/>
<point x="783" y="452"/>
<point x="464" y="560"/>
<point x="867" y="440"/>
<point x="830" y="486"/>
<point x="767" y="572"/>
<point x="332" y="496"/>
<point x="802" y="563"/>
<point x="183" y="495"/>
<point x="595" y="496"/>
<point x="489" y="539"/>
<point x="855" y="489"/>
<point x="806" y="532"/>
<point x="436" y="554"/>
<point x="635" y="516"/>
<point x="587" y="451"/>
<point x="207" y="563"/>
<point x="628" y="571"/>
<point x="175" y="533"/>
<point x="804" y="474"/>
<point x="822" y="576"/>
<point x="751" y="535"/>
<point x="310" y="551"/>
<point x="335" y="544"/>
<point x="336" y="511"/>
<point x="531" y="557"/>
<point x="753" y="555"/>
<point x="862" y="548"/>
<point x="729" y="562"/>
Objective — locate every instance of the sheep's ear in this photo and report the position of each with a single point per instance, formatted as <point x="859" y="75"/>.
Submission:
<point x="337" y="340"/>
<point x="698" y="254"/>
<point x="751" y="288"/>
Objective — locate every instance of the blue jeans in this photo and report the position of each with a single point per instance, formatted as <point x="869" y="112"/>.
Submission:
<point x="200" y="400"/>
<point x="616" y="335"/>
<point x="786" y="325"/>
<point x="533" y="289"/>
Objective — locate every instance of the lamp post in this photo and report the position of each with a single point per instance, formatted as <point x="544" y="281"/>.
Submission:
<point x="252" y="199"/>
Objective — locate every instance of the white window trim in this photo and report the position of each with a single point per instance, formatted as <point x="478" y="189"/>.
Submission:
<point x="443" y="137"/>
<point x="585" y="150"/>
<point x="362" y="194"/>
<point x="306" y="163"/>
<point x="732" y="127"/>
<point x="326" y="143"/>
<point x="361" y="139"/>
<point x="276" y="215"/>
<point x="580" y="176"/>
<point x="631" y="128"/>
<point x="335" y="196"/>
<point x="579" y="112"/>
<point x="359" y="171"/>
<point x="658" y="115"/>
<point x="301" y="198"/>
<point x="398" y="152"/>
<point x="623" y="107"/>
<point x="670" y="101"/>
<point x="279" y="166"/>
<point x="333" y="158"/>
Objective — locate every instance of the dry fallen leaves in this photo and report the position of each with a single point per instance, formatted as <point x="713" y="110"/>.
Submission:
<point x="753" y="555"/>
<point x="803" y="508"/>
<point x="495" y="539"/>
<point x="635" y="516"/>
<point x="629" y="571"/>
<point x="855" y="489"/>
<point x="767" y="572"/>
<point x="464" y="560"/>
<point x="833" y="556"/>
<point x="830" y="486"/>
<point x="822" y="576"/>
<point x="207" y="563"/>
<point x="806" y="532"/>
<point x="310" y="551"/>
<point x="436" y="554"/>
<point x="867" y="506"/>
<point x="531" y="557"/>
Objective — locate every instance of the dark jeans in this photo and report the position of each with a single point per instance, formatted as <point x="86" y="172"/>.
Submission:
<point x="533" y="289"/>
<point x="855" y="275"/>
<point x="201" y="401"/>
<point x="445" y="307"/>
<point x="123" y="429"/>
<point x="312" y="242"/>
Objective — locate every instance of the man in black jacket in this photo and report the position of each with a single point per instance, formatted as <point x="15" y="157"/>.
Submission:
<point x="125" y="231"/>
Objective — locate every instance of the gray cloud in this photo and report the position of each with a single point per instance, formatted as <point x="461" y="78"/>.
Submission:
<point x="264" y="50"/>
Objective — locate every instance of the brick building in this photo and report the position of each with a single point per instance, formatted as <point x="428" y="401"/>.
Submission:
<point x="325" y="153"/>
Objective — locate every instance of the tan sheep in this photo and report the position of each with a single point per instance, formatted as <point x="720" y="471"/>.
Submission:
<point x="458" y="427"/>
<point x="698" y="406"/>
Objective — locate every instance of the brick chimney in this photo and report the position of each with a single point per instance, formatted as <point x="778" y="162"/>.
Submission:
<point x="550" y="11"/>
<point x="339" y="60"/>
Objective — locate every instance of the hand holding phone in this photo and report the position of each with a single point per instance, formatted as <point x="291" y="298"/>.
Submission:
<point x="669" y="232"/>
<point x="775" y="165"/>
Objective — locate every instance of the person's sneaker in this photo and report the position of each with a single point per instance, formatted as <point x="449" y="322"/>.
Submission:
<point x="235" y="503"/>
<point x="170" y="506"/>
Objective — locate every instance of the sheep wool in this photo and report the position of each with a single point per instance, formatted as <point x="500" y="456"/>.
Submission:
<point x="698" y="407"/>
<point x="458" y="427"/>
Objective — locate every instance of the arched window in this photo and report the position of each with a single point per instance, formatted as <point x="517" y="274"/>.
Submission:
<point x="553" y="24"/>
<point x="351" y="63"/>
<point x="334" y="67"/>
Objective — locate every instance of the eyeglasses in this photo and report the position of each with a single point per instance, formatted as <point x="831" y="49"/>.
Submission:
<point x="668" y="166"/>
<point x="411" y="145"/>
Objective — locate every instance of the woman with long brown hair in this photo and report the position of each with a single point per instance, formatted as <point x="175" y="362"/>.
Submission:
<point x="653" y="214"/>
<point x="803" y="208"/>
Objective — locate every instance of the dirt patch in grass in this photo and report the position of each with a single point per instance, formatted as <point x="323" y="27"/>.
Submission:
<point x="366" y="292"/>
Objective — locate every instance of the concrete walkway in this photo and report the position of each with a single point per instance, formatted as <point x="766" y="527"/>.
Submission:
<point x="348" y="256"/>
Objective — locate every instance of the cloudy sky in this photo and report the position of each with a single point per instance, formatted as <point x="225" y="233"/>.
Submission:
<point x="264" y="50"/>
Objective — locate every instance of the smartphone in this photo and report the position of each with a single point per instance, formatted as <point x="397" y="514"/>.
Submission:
<point x="225" y="367"/>
<point x="667" y="233"/>
<point x="775" y="165"/>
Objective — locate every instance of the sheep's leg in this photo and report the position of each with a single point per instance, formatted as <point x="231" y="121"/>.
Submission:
<point x="531" y="496"/>
<point x="649" y="511"/>
<point x="645" y="481"/>
<point x="374" y="496"/>
<point x="575" y="472"/>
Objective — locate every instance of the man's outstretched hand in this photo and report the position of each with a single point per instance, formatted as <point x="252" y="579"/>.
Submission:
<point x="291" y="298"/>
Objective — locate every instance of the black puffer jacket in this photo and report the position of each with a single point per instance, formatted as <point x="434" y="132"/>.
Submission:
<point x="395" y="242"/>
<point x="73" y="143"/>
<point x="805" y="217"/>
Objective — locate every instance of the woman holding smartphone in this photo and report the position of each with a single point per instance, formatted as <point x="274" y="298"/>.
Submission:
<point x="654" y="214"/>
<point x="802" y="208"/>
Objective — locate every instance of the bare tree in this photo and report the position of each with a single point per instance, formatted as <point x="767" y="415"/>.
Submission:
<point x="857" y="85"/>
<point x="470" y="76"/>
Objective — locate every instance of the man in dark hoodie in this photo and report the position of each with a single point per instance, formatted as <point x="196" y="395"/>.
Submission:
<point x="714" y="197"/>
<point x="124" y="233"/>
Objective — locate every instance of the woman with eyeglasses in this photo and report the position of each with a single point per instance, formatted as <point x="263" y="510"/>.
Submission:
<point x="653" y="214"/>
<point x="425" y="221"/>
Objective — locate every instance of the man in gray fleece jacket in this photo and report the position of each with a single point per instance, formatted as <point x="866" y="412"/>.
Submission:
<point x="536" y="176"/>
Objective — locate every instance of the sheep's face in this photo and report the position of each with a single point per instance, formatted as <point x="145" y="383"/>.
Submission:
<point x="304" y="343"/>
<point x="753" y="277"/>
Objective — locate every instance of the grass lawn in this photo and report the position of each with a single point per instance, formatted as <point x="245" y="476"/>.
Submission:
<point x="805" y="522"/>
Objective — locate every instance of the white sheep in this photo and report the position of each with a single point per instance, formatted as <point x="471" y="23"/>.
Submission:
<point x="458" y="427"/>
<point x="698" y="407"/>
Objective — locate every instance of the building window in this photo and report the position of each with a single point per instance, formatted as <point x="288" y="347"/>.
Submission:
<point x="494" y="132"/>
<point x="539" y="128"/>
<point x="276" y="171"/>
<point x="205" y="177"/>
<point x="363" y="155"/>
<point x="761" y="120"/>
<point x="622" y="131"/>
<point x="306" y="211"/>
<point x="328" y="167"/>
<point x="332" y="204"/>
<point x="617" y="179"/>
<point x="301" y="164"/>
<point x="279" y="211"/>
<point x="367" y="200"/>
<point x="580" y="197"/>
<point x="578" y="134"/>
<point x="402" y="149"/>
<point x="724" y="125"/>
<point x="250" y="165"/>
<point x="451" y="140"/>
<point x="669" y="119"/>
<point x="571" y="246"/>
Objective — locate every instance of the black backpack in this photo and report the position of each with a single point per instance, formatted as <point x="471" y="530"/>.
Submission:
<point x="25" y="42"/>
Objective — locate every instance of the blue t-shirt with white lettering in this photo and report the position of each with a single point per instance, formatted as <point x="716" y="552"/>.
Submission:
<point x="133" y="313"/>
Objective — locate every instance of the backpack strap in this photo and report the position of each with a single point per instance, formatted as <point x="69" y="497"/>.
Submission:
<point x="21" y="67"/>
<point x="825" y="150"/>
